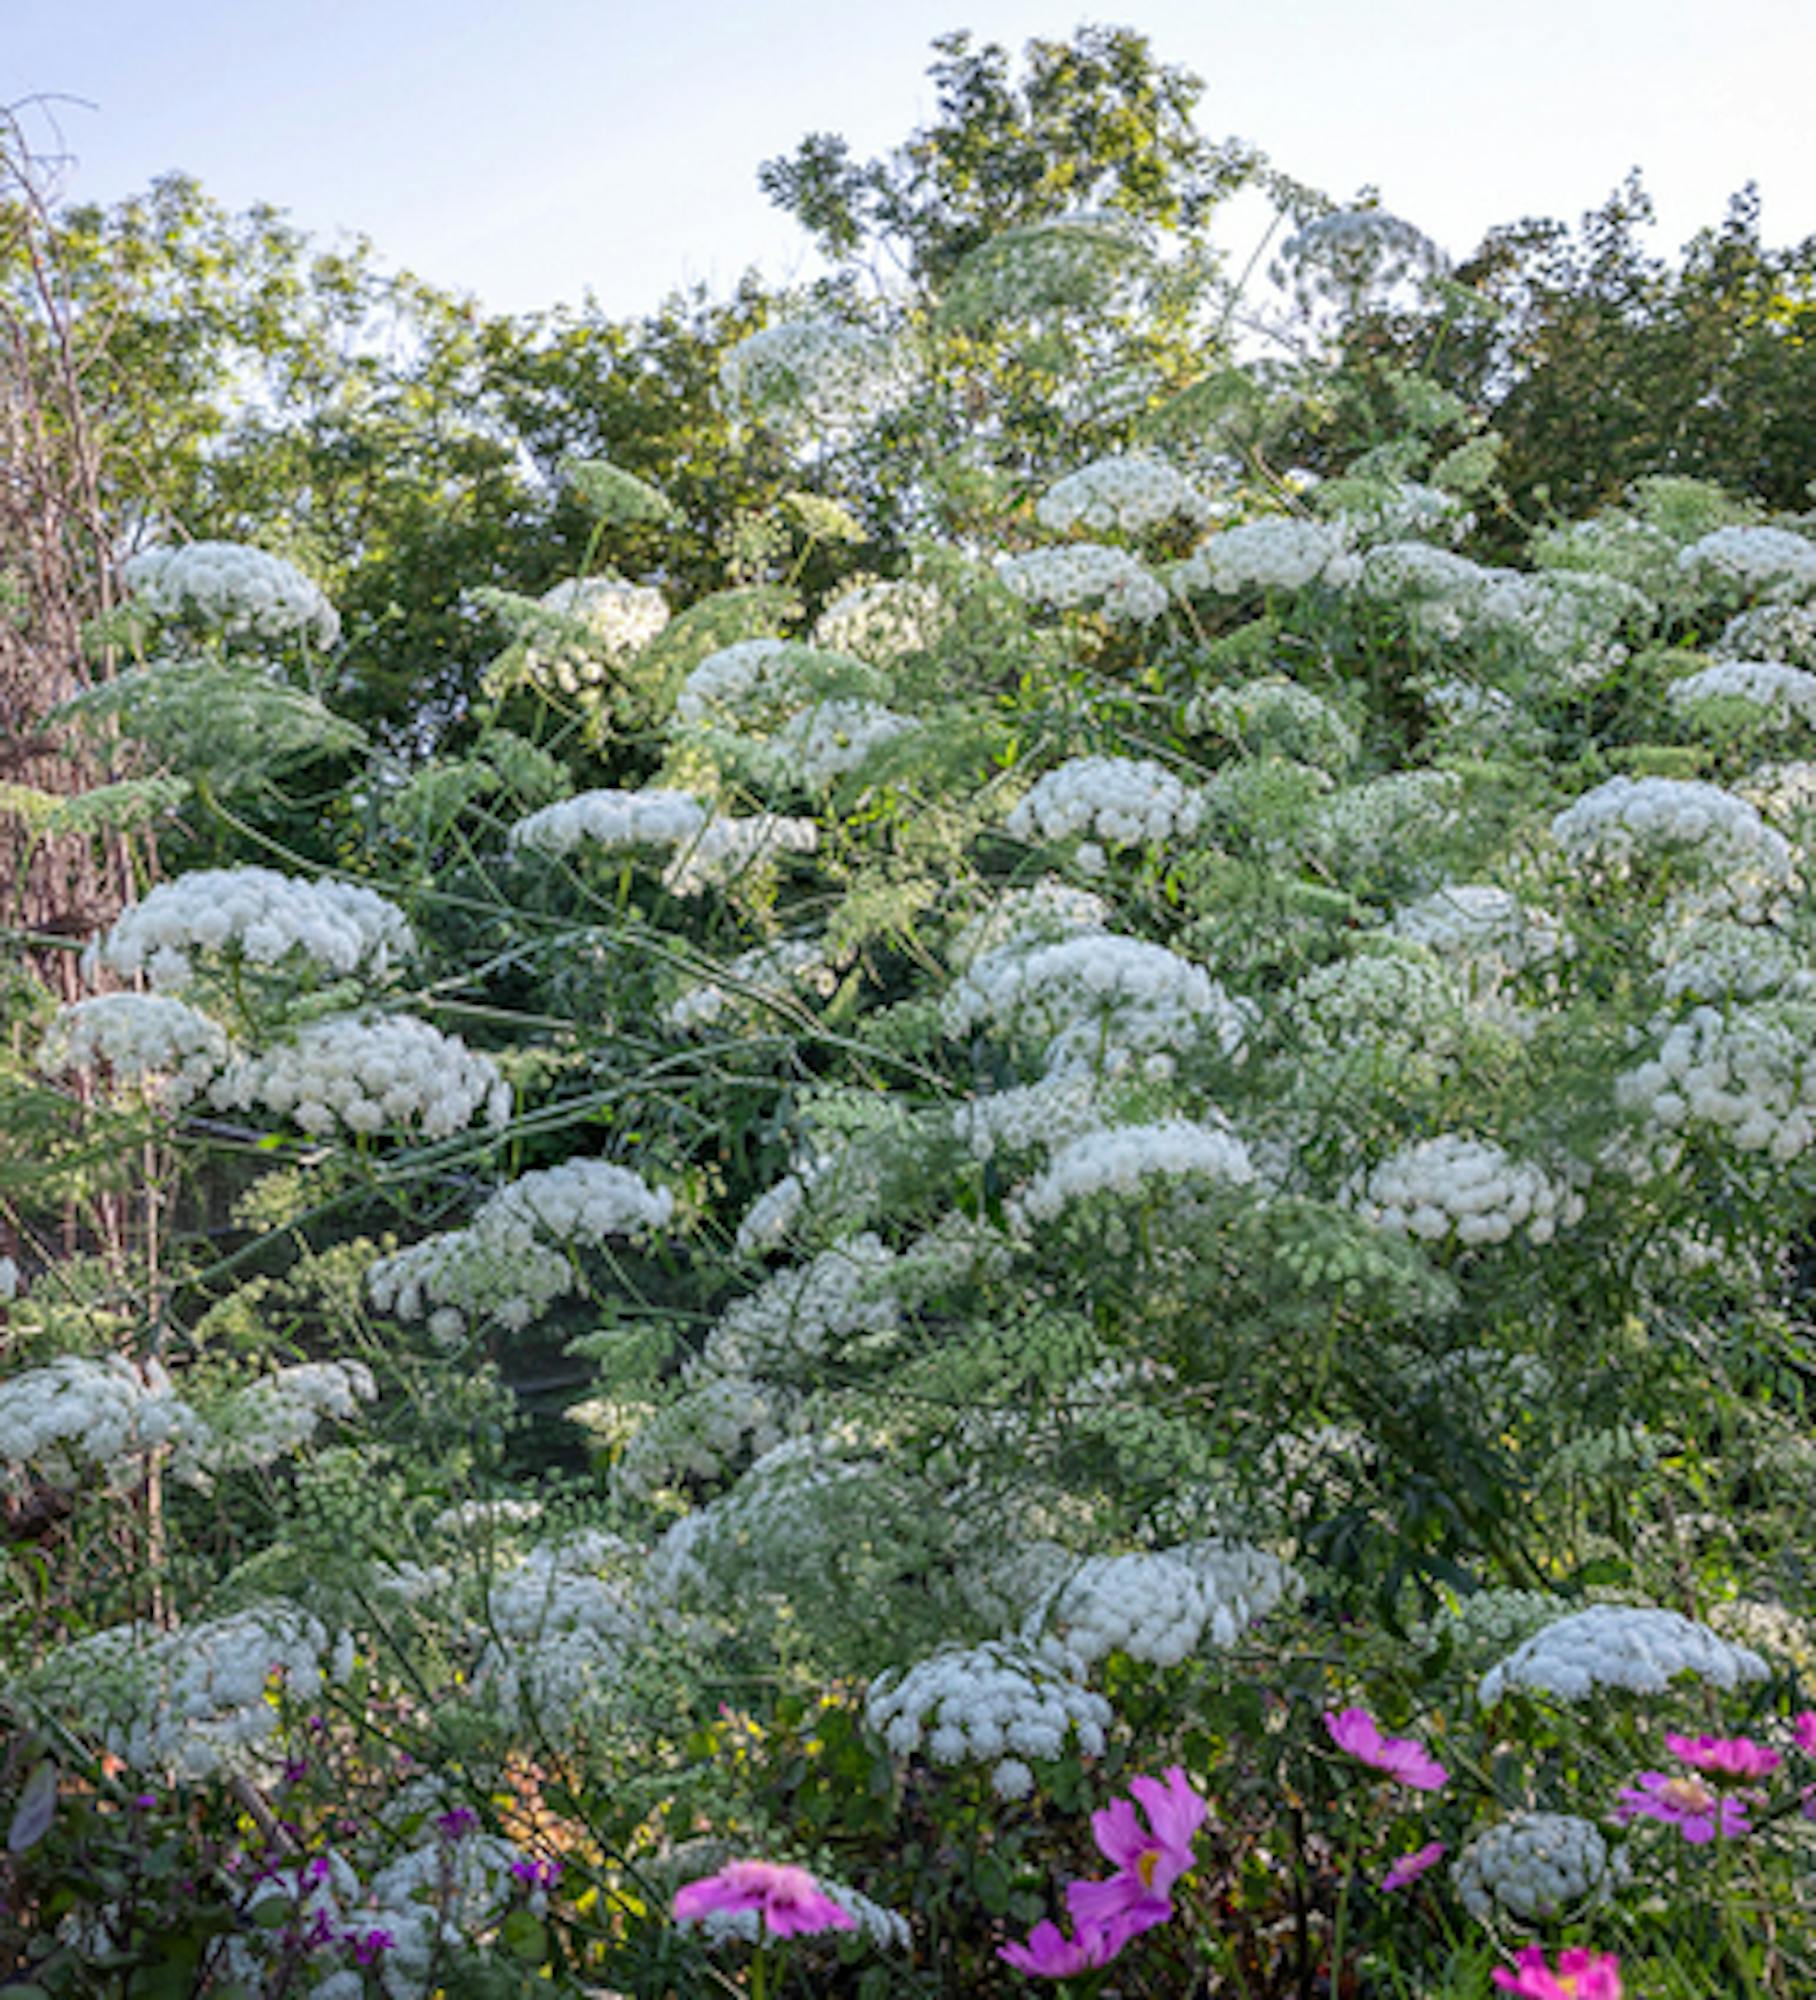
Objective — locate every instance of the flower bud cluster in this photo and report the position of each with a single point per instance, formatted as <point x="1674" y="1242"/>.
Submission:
<point x="1160" y="1607"/>
<point x="1640" y="1648"/>
<point x="999" y="1703"/>
<point x="1049" y="911"/>
<point x="1388" y="1007"/>
<point x="1280" y="553"/>
<point x="1078" y="575"/>
<point x="1749" y="1072"/>
<point x="608" y="819"/>
<point x="1784" y="632"/>
<point x="1275" y="717"/>
<point x="264" y="917"/>
<point x="1466" y="1190"/>
<point x="1487" y="1624"/>
<point x="234" y="589"/>
<point x="1486" y="929"/>
<point x="704" y="1434"/>
<point x="1123" y="801"/>
<point x="1131" y="494"/>
<point x="167" y="1048"/>
<point x="1534" y="1865"/>
<point x="592" y="625"/>
<point x="1775" y="561"/>
<point x="511" y="1263"/>
<point x="1781" y="695"/>
<point x="1400" y="511"/>
<point x="1717" y="960"/>
<point x="1375" y="824"/>
<point x="881" y="622"/>
<point x="760" y="679"/>
<point x="818" y="375"/>
<point x="794" y="1313"/>
<point x="395" y="1073"/>
<point x="558" y="1630"/>
<point x="1049" y="1113"/>
<point x="1120" y="1159"/>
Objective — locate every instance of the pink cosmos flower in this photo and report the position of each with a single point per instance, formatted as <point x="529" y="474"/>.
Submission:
<point x="1803" y="1727"/>
<point x="1410" y="1867"/>
<point x="1048" y="1955"/>
<point x="1581" y="1975"/>
<point x="1685" y="1803"/>
<point x="1728" y="1759"/>
<point x="1401" y="1757"/>
<point x="1149" y="1859"/>
<point x="791" y="1901"/>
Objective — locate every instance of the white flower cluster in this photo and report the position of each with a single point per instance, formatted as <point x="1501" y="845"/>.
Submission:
<point x="1354" y="253"/>
<point x="1775" y="560"/>
<point x="884" y="1928"/>
<point x="1124" y="801"/>
<point x="394" y="1073"/>
<point x="1569" y="621"/>
<point x="280" y="1413"/>
<point x="1278" y="717"/>
<point x="194" y="1701"/>
<point x="1382" y="821"/>
<point x="432" y="1901"/>
<point x="1132" y="494"/>
<point x="510" y="1262"/>
<point x="1750" y="1072"/>
<point x="1466" y="1189"/>
<point x="1385" y="1007"/>
<point x="1784" y="793"/>
<point x="881" y="622"/>
<point x="999" y="1703"/>
<point x="612" y="622"/>
<point x="818" y="375"/>
<point x="104" y="1414"/>
<point x="264" y="916"/>
<point x="769" y="974"/>
<point x="1280" y="553"/>
<point x="796" y="1312"/>
<point x="1080" y="574"/>
<point x="1641" y="1648"/>
<point x="1486" y="929"/>
<point x="1400" y="512"/>
<point x="754" y="679"/>
<point x="1782" y="695"/>
<point x="1160" y="1607"/>
<point x="728" y="848"/>
<point x="233" y="588"/>
<point x="608" y="819"/>
<point x="1046" y="1114"/>
<point x="1625" y="819"/>
<point x="1120" y="1159"/>
<point x="160" y="1044"/>
<point x="1784" y="632"/>
<point x="827" y="742"/>
<point x="1534" y="1865"/>
<point x="1095" y="995"/>
<point x="558" y="1630"/>
<point x="705" y="1433"/>
<point x="486" y="1516"/>
<point x="1490" y="1623"/>
<point x="1719" y="960"/>
<point x="1044" y="914"/>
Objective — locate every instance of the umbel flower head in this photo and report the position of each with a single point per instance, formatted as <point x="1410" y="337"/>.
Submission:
<point x="789" y="1900"/>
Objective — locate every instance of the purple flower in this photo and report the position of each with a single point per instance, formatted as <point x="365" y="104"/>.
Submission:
<point x="1401" y="1757"/>
<point x="1149" y="1859"/>
<point x="366" y="1948"/>
<point x="296" y="1770"/>
<point x="1410" y="1867"/>
<point x="539" y="1874"/>
<point x="452" y="1825"/>
<point x="1048" y="1955"/>
<point x="790" y="1900"/>
<point x="1698" y="1812"/>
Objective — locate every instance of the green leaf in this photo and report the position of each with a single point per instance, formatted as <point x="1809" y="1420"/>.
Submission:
<point x="524" y="1936"/>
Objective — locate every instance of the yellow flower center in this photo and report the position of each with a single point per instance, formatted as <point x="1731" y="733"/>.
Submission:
<point x="1687" y="1794"/>
<point x="1145" y="1867"/>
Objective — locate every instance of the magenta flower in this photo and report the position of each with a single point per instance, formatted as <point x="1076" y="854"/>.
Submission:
<point x="1803" y="1728"/>
<point x="792" y="1903"/>
<point x="1048" y="1955"/>
<point x="1688" y="1804"/>
<point x="1728" y="1759"/>
<point x="1149" y="1859"/>
<point x="1410" y="1867"/>
<point x="1401" y="1757"/>
<point x="1581" y="1975"/>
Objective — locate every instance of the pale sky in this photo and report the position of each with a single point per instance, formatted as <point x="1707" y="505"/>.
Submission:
<point x="528" y="151"/>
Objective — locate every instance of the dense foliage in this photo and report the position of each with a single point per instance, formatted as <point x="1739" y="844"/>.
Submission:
<point x="927" y="1151"/>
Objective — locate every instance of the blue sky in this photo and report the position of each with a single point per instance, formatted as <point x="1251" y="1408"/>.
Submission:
<point x="526" y="152"/>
